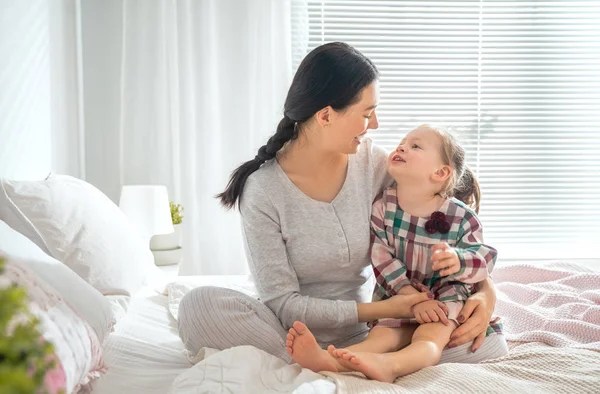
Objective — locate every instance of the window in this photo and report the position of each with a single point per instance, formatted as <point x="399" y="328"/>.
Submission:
<point x="519" y="82"/>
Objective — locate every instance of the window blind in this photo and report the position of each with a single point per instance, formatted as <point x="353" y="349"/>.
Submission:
<point x="519" y="84"/>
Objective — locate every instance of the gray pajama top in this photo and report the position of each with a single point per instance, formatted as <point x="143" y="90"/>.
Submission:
<point x="310" y="259"/>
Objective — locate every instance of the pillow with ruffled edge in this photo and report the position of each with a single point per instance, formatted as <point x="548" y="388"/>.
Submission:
<point x="85" y="300"/>
<point x="80" y="226"/>
<point x="76" y="345"/>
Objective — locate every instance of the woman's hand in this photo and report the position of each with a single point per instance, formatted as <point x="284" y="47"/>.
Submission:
<point x="476" y="315"/>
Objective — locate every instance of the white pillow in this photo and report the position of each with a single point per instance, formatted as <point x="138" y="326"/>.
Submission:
<point x="75" y="344"/>
<point x="92" y="306"/>
<point x="81" y="227"/>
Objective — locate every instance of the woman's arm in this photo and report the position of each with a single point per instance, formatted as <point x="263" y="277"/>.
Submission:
<point x="396" y="307"/>
<point x="477" y="314"/>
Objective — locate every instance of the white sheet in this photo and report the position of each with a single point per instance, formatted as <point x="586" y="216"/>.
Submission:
<point x="144" y="354"/>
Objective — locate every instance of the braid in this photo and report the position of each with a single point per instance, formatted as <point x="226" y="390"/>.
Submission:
<point x="286" y="131"/>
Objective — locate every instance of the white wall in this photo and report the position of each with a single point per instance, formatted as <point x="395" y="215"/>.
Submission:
<point x="38" y="87"/>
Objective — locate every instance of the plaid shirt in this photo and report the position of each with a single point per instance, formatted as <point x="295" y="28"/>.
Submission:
<point x="401" y="251"/>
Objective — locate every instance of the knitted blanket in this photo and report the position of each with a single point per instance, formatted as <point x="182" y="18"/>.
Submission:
<point x="551" y="316"/>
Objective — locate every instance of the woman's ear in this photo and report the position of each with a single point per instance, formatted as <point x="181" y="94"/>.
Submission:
<point x="442" y="174"/>
<point x="323" y="116"/>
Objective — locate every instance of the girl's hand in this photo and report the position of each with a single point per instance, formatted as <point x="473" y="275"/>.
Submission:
<point x="431" y="311"/>
<point x="476" y="316"/>
<point x="445" y="259"/>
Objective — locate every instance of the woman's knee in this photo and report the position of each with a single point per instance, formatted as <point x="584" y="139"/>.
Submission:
<point x="192" y="301"/>
<point x="494" y="346"/>
<point x="197" y="316"/>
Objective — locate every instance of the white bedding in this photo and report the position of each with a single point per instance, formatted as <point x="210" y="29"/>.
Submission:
<point x="145" y="355"/>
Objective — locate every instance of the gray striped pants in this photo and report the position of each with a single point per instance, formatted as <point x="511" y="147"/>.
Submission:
<point x="221" y="318"/>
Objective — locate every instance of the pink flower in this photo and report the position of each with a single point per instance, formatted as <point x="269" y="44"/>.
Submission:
<point x="55" y="380"/>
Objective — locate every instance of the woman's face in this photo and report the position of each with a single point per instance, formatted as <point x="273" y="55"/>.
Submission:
<point x="347" y="128"/>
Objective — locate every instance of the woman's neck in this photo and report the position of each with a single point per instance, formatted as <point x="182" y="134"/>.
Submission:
<point x="417" y="200"/>
<point x="305" y="158"/>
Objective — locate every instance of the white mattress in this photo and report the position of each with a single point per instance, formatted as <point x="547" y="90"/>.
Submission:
<point x="144" y="354"/>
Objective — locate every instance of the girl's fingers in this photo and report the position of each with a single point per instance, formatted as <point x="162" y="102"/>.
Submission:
<point x="442" y="316"/>
<point x="433" y="316"/>
<point x="452" y="269"/>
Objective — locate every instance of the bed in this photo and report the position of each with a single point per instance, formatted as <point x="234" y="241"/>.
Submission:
<point x="555" y="345"/>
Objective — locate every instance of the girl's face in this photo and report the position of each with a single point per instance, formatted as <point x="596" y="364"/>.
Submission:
<point x="345" y="129"/>
<point x="418" y="157"/>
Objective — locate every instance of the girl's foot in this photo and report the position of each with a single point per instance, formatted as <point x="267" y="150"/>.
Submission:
<point x="304" y="349"/>
<point x="372" y="365"/>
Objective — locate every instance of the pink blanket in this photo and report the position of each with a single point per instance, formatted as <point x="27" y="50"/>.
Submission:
<point x="557" y="304"/>
<point x="551" y="315"/>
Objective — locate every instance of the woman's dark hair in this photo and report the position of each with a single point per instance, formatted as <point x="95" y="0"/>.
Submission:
<point x="332" y="74"/>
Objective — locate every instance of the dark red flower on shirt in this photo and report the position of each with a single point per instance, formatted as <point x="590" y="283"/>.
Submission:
<point x="437" y="223"/>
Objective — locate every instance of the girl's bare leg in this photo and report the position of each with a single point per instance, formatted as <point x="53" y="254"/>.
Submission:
<point x="381" y="340"/>
<point x="302" y="346"/>
<point x="425" y="350"/>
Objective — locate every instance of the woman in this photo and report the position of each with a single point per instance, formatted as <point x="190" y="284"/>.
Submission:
<point x="305" y="203"/>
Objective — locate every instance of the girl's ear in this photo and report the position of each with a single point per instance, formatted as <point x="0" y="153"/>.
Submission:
<point x="442" y="174"/>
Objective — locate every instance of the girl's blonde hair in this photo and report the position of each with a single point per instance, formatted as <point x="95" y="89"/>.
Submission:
<point x="462" y="184"/>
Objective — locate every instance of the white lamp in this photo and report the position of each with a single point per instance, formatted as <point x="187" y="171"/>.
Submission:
<point x="147" y="206"/>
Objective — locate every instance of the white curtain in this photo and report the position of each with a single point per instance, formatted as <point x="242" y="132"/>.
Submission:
<point x="201" y="86"/>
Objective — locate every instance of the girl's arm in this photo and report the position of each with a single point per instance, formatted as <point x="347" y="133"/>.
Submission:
<point x="476" y="258"/>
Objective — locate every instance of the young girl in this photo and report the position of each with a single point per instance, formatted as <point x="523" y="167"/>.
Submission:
<point x="425" y="237"/>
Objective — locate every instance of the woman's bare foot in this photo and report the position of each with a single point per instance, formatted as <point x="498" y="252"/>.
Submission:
<point x="373" y="365"/>
<point x="304" y="349"/>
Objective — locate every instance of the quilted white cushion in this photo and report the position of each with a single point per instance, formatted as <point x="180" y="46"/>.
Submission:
<point x="81" y="227"/>
<point x="92" y="306"/>
<point x="75" y="342"/>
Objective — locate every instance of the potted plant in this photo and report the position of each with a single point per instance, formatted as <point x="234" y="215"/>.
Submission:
<point x="176" y="218"/>
<point x="167" y="247"/>
<point x="28" y="361"/>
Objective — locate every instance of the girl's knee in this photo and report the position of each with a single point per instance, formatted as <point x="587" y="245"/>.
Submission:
<point x="432" y="349"/>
